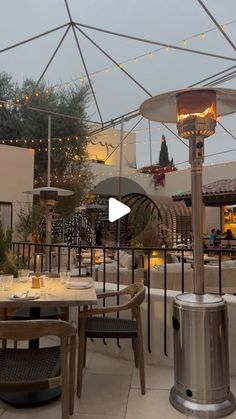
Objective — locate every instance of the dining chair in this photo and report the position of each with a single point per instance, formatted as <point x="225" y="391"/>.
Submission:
<point x="39" y="368"/>
<point x="94" y="324"/>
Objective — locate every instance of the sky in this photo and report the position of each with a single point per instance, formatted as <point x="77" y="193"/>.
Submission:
<point x="184" y="23"/>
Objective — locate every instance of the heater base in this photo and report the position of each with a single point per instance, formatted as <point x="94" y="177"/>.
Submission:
<point x="202" y="410"/>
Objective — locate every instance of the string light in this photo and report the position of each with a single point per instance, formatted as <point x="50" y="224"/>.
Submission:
<point x="106" y="70"/>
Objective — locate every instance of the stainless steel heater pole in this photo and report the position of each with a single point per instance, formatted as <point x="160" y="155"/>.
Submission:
<point x="201" y="365"/>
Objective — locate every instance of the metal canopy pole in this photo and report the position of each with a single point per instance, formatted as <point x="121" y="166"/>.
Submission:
<point x="49" y="206"/>
<point x="49" y="149"/>
<point x="120" y="177"/>
<point x="48" y="202"/>
<point x="150" y="141"/>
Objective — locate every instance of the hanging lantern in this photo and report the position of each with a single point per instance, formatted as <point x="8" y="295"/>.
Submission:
<point x="196" y="113"/>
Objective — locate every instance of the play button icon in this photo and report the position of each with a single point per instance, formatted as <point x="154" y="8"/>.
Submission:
<point x="117" y="210"/>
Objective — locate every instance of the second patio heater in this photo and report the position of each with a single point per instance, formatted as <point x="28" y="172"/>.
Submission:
<point x="201" y="359"/>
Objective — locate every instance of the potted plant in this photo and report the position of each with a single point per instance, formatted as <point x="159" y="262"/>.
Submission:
<point x="9" y="264"/>
<point x="147" y="232"/>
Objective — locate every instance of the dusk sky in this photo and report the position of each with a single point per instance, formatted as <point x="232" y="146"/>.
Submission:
<point x="183" y="23"/>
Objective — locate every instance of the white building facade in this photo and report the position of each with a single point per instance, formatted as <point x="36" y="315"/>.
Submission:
<point x="16" y="176"/>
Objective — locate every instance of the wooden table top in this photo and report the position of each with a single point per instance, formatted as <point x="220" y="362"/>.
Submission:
<point x="58" y="295"/>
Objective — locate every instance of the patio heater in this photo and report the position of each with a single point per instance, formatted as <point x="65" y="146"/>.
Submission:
<point x="201" y="360"/>
<point x="92" y="211"/>
<point x="49" y="195"/>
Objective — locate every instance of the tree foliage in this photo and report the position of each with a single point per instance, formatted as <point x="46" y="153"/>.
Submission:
<point x="29" y="218"/>
<point x="69" y="163"/>
<point x="164" y="155"/>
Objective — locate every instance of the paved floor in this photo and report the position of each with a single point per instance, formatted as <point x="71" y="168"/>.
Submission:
<point x="111" y="391"/>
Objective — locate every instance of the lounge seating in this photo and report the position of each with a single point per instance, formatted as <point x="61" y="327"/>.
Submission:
<point x="173" y="277"/>
<point x="228" y="277"/>
<point x="127" y="275"/>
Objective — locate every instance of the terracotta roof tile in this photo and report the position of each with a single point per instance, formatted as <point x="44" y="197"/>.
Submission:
<point x="222" y="186"/>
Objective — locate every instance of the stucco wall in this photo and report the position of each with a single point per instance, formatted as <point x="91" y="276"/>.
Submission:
<point x="105" y="171"/>
<point x="101" y="146"/>
<point x="16" y="176"/>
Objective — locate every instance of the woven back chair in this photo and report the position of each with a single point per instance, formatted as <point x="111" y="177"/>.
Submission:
<point x="39" y="368"/>
<point x="93" y="324"/>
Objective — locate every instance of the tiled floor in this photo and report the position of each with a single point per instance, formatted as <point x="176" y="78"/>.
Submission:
<point x="111" y="391"/>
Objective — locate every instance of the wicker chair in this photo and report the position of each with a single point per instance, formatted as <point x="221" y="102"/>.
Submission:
<point x="41" y="368"/>
<point x="91" y="326"/>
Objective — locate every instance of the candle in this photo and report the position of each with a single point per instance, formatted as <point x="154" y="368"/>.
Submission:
<point x="37" y="263"/>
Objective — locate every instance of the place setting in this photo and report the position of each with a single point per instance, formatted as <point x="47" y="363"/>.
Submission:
<point x="71" y="282"/>
<point x="27" y="295"/>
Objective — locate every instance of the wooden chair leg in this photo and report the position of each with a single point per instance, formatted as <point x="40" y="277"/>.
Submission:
<point x="4" y="343"/>
<point x="85" y="350"/>
<point x="3" y="316"/>
<point x="135" y="347"/>
<point x="72" y="375"/>
<point x="64" y="388"/>
<point x="81" y="350"/>
<point x="65" y="314"/>
<point x="141" y="360"/>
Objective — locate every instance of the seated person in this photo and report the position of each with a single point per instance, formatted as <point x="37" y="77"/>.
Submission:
<point x="212" y="236"/>
<point x="229" y="235"/>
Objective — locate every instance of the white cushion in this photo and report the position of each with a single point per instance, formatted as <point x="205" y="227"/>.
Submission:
<point x="110" y="267"/>
<point x="121" y="253"/>
<point x="126" y="261"/>
<point x="86" y="260"/>
<point x="175" y="267"/>
<point x="228" y="263"/>
<point x="85" y="254"/>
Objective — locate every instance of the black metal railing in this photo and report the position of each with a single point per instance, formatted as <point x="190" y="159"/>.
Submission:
<point x="57" y="257"/>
